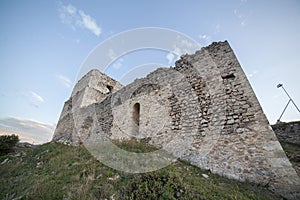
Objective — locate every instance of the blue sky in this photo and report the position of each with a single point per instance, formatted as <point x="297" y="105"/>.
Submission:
<point x="44" y="43"/>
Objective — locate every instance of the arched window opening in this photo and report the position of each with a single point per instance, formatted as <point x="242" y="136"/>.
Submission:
<point x="136" y="118"/>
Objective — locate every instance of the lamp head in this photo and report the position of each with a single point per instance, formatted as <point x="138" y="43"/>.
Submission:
<point x="279" y="85"/>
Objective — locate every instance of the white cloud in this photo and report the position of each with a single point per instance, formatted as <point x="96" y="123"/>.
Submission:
<point x="184" y="46"/>
<point x="71" y="9"/>
<point x="67" y="15"/>
<point x="170" y="57"/>
<point x="118" y="63"/>
<point x="77" y="18"/>
<point x="111" y="54"/>
<point x="187" y="44"/>
<point x="178" y="51"/>
<point x="89" y="23"/>
<point x="36" y="97"/>
<point x="205" y="39"/>
<point x="64" y="80"/>
<point x="27" y="130"/>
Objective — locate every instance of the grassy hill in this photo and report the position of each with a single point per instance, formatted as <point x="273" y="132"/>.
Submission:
<point x="57" y="171"/>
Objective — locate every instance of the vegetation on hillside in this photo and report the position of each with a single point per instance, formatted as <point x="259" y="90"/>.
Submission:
<point x="293" y="153"/>
<point x="57" y="171"/>
<point x="7" y="142"/>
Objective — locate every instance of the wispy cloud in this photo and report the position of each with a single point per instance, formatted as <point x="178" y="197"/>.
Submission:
<point x="205" y="39"/>
<point x="67" y="15"/>
<point x="241" y="16"/>
<point x="73" y="17"/>
<point x="89" y="23"/>
<point x="175" y="54"/>
<point x="111" y="54"/>
<point x="64" y="80"/>
<point x="27" y="130"/>
<point x="36" y="97"/>
<point x="181" y="45"/>
<point x="170" y="57"/>
<point x="118" y="64"/>
<point x="217" y="28"/>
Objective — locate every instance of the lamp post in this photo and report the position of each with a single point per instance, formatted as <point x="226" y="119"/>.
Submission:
<point x="290" y="100"/>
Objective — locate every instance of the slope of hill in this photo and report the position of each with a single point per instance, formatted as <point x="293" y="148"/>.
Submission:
<point x="288" y="134"/>
<point x="57" y="171"/>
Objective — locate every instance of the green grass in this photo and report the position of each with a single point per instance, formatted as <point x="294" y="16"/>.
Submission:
<point x="133" y="145"/>
<point x="290" y="148"/>
<point x="57" y="171"/>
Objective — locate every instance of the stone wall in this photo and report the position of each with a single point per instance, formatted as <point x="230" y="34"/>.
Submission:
<point x="203" y="111"/>
<point x="92" y="88"/>
<point x="288" y="132"/>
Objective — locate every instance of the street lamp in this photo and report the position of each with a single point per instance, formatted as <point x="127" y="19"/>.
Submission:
<point x="290" y="100"/>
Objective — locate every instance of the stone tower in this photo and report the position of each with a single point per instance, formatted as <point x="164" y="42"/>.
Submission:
<point x="91" y="88"/>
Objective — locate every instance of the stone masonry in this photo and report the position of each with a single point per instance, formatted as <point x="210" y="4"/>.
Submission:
<point x="288" y="132"/>
<point x="202" y="110"/>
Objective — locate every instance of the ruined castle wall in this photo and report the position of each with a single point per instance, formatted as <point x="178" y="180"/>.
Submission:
<point x="203" y="110"/>
<point x="64" y="131"/>
<point x="152" y="94"/>
<point x="246" y="147"/>
<point x="213" y="118"/>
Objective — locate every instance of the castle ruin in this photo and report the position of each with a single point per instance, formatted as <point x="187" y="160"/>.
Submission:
<point x="202" y="110"/>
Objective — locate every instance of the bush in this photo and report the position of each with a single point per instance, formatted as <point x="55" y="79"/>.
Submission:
<point x="7" y="142"/>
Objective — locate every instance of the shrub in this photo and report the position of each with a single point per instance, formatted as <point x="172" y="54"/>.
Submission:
<point x="7" y="142"/>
